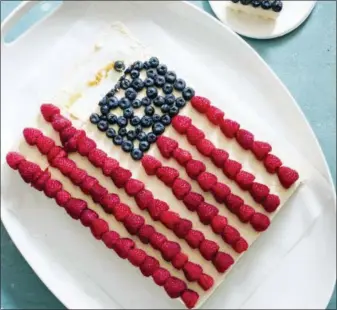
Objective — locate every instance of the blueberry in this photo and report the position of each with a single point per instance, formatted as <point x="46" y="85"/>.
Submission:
<point x="151" y="137"/>
<point x="170" y="99"/>
<point x="102" y="125"/>
<point x="179" y="84"/>
<point x="137" y="154"/>
<point x="235" y="1"/>
<point x="167" y="88"/>
<point x="112" y="118"/>
<point x="173" y="111"/>
<point x="131" y="94"/>
<point x="103" y="117"/>
<point x="151" y="73"/>
<point x="144" y="146"/>
<point x="148" y="82"/>
<point x="170" y="77"/>
<point x="128" y="70"/>
<point x="105" y="109"/>
<point x="127" y="146"/>
<point x="128" y="113"/>
<point x="159" y="81"/>
<point x="266" y="5"/>
<point x="277" y="6"/>
<point x="113" y="102"/>
<point x="135" y="121"/>
<point x="137" y="84"/>
<point x="152" y="92"/>
<point x="138" y="129"/>
<point x="131" y="135"/>
<point x="103" y="101"/>
<point x="256" y="3"/>
<point x="146" y="121"/>
<point x="136" y="103"/>
<point x="124" y="103"/>
<point x="94" y="118"/>
<point x="188" y="93"/>
<point x="146" y="65"/>
<point x="146" y="101"/>
<point x="154" y="62"/>
<point x="117" y="140"/>
<point x="119" y="65"/>
<point x="158" y="128"/>
<point x="166" y="119"/>
<point x="111" y="93"/>
<point x="159" y="101"/>
<point x="156" y="118"/>
<point x="122" y="131"/>
<point x="134" y="74"/>
<point x="141" y="136"/>
<point x="180" y="102"/>
<point x="111" y="133"/>
<point x="245" y="2"/>
<point x="162" y="69"/>
<point x="138" y="65"/>
<point x="122" y="121"/>
<point x="149" y="110"/>
<point x="165" y="108"/>
<point x="125" y="83"/>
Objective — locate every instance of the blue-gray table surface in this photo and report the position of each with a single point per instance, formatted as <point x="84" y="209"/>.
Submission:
<point x="305" y="60"/>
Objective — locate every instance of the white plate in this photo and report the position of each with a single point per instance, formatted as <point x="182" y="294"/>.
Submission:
<point x="32" y="70"/>
<point x="294" y="13"/>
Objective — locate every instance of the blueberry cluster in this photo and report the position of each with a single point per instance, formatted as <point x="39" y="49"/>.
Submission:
<point x="144" y="117"/>
<point x="275" y="5"/>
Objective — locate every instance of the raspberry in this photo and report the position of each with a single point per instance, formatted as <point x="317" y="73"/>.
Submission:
<point x="44" y="144"/>
<point x="121" y="211"/>
<point x="60" y="122"/>
<point x="194" y="168"/>
<point x="240" y="246"/>
<point x="190" y="298"/>
<point x="222" y="261"/>
<point x="166" y="146"/>
<point x="66" y="134"/>
<point x="233" y="203"/>
<point x="97" y="157"/>
<point x="48" y="110"/>
<point x="244" y="179"/>
<point x="150" y="164"/>
<point x="87" y="217"/>
<point x="182" y="228"/>
<point x="192" y="271"/>
<point x="97" y="192"/>
<point x="205" y="281"/>
<point x="259" y="191"/>
<point x="77" y="175"/>
<point x="261" y="149"/>
<point x="169" y="250"/>
<point x="120" y="176"/>
<point x="160" y="276"/>
<point x="71" y="144"/>
<point x="194" y="135"/>
<point x="64" y="164"/>
<point x="205" y="147"/>
<point x="52" y="187"/>
<point x="156" y="208"/>
<point x="169" y="218"/>
<point x="192" y="201"/>
<point x="271" y="203"/>
<point x="218" y="223"/>
<point x="133" y="223"/>
<point x="208" y="249"/>
<point x="207" y="180"/>
<point x="167" y="175"/>
<point x="87" y="184"/>
<point x="174" y="287"/>
<point x="157" y="240"/>
<point x="109" y="166"/>
<point x="207" y="212"/>
<point x="149" y="266"/>
<point x="287" y="176"/>
<point x="41" y="181"/>
<point x="145" y="233"/>
<point x="109" y="202"/>
<point x="14" y="159"/>
<point x="219" y="157"/>
<point x="98" y="228"/>
<point x="230" y="235"/>
<point x="194" y="238"/>
<point x="229" y="127"/>
<point x="136" y="257"/>
<point x="245" y="213"/>
<point x="272" y="163"/>
<point x="180" y="188"/>
<point x="245" y="138"/>
<point x="144" y="198"/>
<point x="55" y="152"/>
<point x="201" y="104"/>
<point x="28" y="171"/>
<point x="179" y="260"/>
<point x="85" y="145"/>
<point x="62" y="198"/>
<point x="215" y="115"/>
<point x="260" y="222"/>
<point x="182" y="156"/>
<point x="31" y="135"/>
<point x="220" y="191"/>
<point x="75" y="207"/>
<point x="123" y="246"/>
<point x="181" y="123"/>
<point x="133" y="187"/>
<point x="231" y="168"/>
<point x="110" y="238"/>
